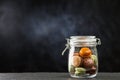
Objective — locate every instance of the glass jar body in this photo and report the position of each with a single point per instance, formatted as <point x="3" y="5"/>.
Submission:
<point x="83" y="62"/>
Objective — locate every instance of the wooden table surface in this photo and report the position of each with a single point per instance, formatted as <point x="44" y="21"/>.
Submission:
<point x="54" y="76"/>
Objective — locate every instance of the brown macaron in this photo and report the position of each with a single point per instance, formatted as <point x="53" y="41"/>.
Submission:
<point x="76" y="54"/>
<point x="88" y="63"/>
<point x="76" y="61"/>
<point x="92" y="70"/>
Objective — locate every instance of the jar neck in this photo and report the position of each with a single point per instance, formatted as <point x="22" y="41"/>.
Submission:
<point x="80" y="41"/>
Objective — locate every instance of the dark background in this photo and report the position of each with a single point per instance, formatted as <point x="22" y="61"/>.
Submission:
<point x="32" y="33"/>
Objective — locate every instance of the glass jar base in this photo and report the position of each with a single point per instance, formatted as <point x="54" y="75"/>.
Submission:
<point x="84" y="76"/>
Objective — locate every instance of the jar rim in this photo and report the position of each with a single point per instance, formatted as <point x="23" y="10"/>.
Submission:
<point x="77" y="37"/>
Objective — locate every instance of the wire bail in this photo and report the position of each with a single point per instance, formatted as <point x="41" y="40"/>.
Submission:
<point x="98" y="41"/>
<point x="67" y="46"/>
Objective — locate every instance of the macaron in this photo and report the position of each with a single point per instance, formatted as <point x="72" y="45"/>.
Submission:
<point x="94" y="58"/>
<point x="79" y="71"/>
<point x="85" y="52"/>
<point x="88" y="63"/>
<point x="71" y="69"/>
<point x="76" y="54"/>
<point x="76" y="61"/>
<point x="92" y="70"/>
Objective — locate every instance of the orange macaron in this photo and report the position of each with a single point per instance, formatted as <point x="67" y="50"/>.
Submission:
<point x="85" y="52"/>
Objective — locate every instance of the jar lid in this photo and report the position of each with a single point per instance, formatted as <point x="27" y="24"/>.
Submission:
<point x="82" y="39"/>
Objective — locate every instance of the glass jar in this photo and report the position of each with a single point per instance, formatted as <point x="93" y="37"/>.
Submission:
<point x="83" y="58"/>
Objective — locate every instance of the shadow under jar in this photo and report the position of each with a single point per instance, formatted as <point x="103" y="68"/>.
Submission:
<point x="83" y="59"/>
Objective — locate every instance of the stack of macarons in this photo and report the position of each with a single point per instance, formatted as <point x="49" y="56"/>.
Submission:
<point x="83" y="62"/>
